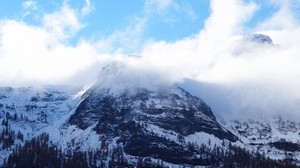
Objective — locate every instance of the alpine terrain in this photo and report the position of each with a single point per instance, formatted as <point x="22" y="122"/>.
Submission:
<point x="116" y="123"/>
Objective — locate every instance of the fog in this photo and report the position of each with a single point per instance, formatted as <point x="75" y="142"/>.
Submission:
<point x="236" y="78"/>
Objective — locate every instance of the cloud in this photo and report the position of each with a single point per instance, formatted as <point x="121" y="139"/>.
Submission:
<point x="202" y="50"/>
<point x="30" y="5"/>
<point x="158" y="5"/>
<point x="31" y="54"/>
<point x="87" y="8"/>
<point x="131" y="40"/>
<point x="286" y="17"/>
<point x="63" y="23"/>
<point x="188" y="9"/>
<point x="260" y="81"/>
<point x="126" y="40"/>
<point x="169" y="11"/>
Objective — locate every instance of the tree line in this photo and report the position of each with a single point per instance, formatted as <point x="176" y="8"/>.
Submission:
<point x="40" y="152"/>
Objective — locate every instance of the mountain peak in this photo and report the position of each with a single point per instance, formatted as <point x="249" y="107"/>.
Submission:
<point x="260" y="39"/>
<point x="170" y="108"/>
<point x="119" y="76"/>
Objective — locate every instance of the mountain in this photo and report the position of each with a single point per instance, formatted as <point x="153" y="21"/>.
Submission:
<point x="112" y="123"/>
<point x="277" y="137"/>
<point x="29" y="111"/>
<point x="138" y="117"/>
<point x="259" y="38"/>
<point x="162" y="127"/>
<point x="250" y="44"/>
<point x="169" y="108"/>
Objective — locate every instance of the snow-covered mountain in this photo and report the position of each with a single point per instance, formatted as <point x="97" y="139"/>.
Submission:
<point x="31" y="111"/>
<point x="278" y="137"/>
<point x="169" y="108"/>
<point x="252" y="43"/>
<point x="112" y="123"/>
<point x="259" y="38"/>
<point x="158" y="123"/>
<point x="167" y="118"/>
<point x="162" y="124"/>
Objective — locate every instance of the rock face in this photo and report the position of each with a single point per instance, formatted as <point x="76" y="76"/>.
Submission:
<point x="171" y="109"/>
<point x="278" y="138"/>
<point x="260" y="38"/>
<point x="129" y="114"/>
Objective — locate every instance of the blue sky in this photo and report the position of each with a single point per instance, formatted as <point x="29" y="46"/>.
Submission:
<point x="179" y="19"/>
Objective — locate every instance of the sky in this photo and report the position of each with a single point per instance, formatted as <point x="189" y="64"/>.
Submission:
<point x="197" y="43"/>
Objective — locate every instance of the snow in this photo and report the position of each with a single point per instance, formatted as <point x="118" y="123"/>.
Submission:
<point x="204" y="138"/>
<point x="33" y="103"/>
<point x="170" y="135"/>
<point x="74" y="137"/>
<point x="59" y="103"/>
<point x="83" y="90"/>
<point x="250" y="133"/>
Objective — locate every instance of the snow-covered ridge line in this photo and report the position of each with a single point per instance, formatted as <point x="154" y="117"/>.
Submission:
<point x="31" y="111"/>
<point x="137" y="122"/>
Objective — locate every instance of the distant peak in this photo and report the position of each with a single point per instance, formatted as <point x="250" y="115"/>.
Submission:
<point x="259" y="38"/>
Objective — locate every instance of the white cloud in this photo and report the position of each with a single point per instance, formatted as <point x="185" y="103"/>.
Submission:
<point x="87" y="8"/>
<point x="29" y="55"/>
<point x="226" y="20"/>
<point x="284" y="18"/>
<point x="29" y="5"/>
<point x="125" y="41"/>
<point x="188" y="9"/>
<point x="63" y="23"/>
<point x="261" y="81"/>
<point x="158" y="5"/>
<point x="203" y="49"/>
<point x="39" y="54"/>
<point x="169" y="11"/>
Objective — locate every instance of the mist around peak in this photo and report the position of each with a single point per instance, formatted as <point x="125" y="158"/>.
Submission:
<point x="260" y="75"/>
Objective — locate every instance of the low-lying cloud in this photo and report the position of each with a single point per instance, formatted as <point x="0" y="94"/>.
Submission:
<point x="253" y="79"/>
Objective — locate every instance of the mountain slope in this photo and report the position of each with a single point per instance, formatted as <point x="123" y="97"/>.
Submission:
<point x="27" y="112"/>
<point x="171" y="109"/>
<point x="146" y="123"/>
<point x="163" y="117"/>
<point x="162" y="127"/>
<point x="277" y="138"/>
<point x="130" y="116"/>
